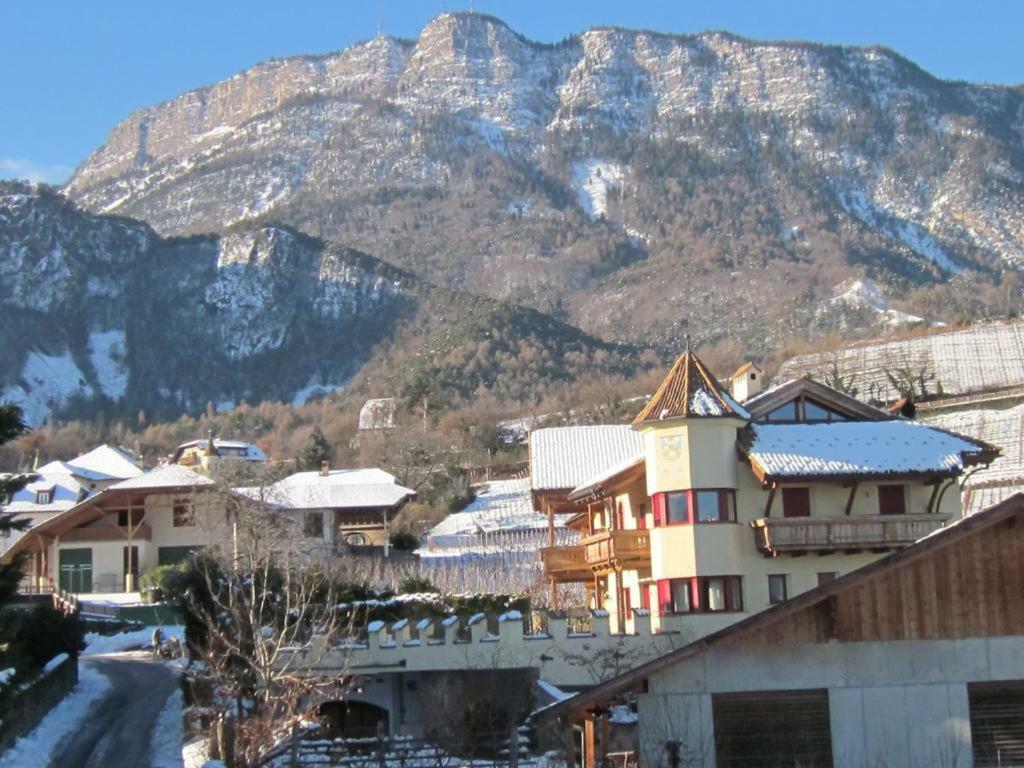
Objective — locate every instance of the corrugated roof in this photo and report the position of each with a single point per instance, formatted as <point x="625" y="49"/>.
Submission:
<point x="689" y="390"/>
<point x="563" y="457"/>
<point x="857" y="448"/>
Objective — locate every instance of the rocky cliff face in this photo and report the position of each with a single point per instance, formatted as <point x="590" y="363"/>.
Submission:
<point x="480" y="159"/>
<point x="101" y="313"/>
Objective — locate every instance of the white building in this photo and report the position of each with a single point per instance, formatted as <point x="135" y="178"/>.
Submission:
<point x="60" y="485"/>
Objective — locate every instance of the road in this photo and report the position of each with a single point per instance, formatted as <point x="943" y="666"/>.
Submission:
<point x="117" y="732"/>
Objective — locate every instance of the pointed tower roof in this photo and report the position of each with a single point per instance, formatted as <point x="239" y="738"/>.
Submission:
<point x="689" y="391"/>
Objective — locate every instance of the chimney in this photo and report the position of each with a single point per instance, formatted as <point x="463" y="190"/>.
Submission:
<point x="325" y="468"/>
<point x="210" y="449"/>
<point x="747" y="381"/>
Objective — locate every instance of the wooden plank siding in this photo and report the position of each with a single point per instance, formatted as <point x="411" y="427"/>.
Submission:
<point x="970" y="590"/>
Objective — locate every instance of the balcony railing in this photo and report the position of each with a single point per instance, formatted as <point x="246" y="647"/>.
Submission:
<point x="831" y="534"/>
<point x="566" y="564"/>
<point x="618" y="549"/>
<point x="107" y="533"/>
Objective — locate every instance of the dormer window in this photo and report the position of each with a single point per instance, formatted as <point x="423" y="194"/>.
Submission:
<point x="44" y="497"/>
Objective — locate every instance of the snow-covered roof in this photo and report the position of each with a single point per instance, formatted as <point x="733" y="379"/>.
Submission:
<point x="563" y="457"/>
<point x="167" y="476"/>
<point x="105" y="463"/>
<point x="500" y="505"/>
<point x="874" y="448"/>
<point x="592" y="483"/>
<point x="338" y="489"/>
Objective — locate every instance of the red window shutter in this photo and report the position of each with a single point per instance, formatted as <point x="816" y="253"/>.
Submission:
<point x="664" y="596"/>
<point x="796" y="502"/>
<point x="645" y="597"/>
<point x="696" y="599"/>
<point x="658" y="506"/>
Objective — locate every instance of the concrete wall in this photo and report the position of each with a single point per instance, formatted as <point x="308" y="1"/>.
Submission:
<point x="891" y="703"/>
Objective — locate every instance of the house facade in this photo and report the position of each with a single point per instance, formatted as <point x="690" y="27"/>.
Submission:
<point x="714" y="510"/>
<point x="211" y="454"/>
<point x="103" y="543"/>
<point x="916" y="660"/>
<point x="60" y="485"/>
<point x="338" y="509"/>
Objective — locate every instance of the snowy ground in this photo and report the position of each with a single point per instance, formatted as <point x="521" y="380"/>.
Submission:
<point x="36" y="749"/>
<point x="165" y="739"/>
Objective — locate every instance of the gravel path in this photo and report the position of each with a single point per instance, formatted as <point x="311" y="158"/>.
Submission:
<point x="118" y="730"/>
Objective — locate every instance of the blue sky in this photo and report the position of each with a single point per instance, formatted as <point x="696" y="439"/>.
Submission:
<point x="72" y="69"/>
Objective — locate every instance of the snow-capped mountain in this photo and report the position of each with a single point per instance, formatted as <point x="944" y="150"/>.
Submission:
<point x="100" y="312"/>
<point x="628" y="168"/>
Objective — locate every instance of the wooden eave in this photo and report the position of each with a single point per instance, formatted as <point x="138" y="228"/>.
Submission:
<point x="815" y="599"/>
<point x="612" y="484"/>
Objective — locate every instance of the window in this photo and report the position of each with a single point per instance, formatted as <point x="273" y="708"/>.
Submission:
<point x="313" y="525"/>
<point x="785" y="412"/>
<point x="678" y="507"/>
<point x="123" y="517"/>
<point x="892" y="500"/>
<point x="182" y="516"/>
<point x="44" y="497"/>
<point x="777" y="592"/>
<point x="826" y="577"/>
<point x="704" y="594"/>
<point x="796" y="502"/>
<point x="772" y="728"/>
<point x="674" y="596"/>
<point x="997" y="723"/>
<point x="716" y="506"/>
<point x="721" y="593"/>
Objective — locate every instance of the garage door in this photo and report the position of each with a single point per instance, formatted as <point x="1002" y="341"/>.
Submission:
<point x="997" y="723"/>
<point x="772" y="729"/>
<point x="76" y="570"/>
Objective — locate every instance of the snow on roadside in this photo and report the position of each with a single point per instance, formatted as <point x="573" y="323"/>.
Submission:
<point x="165" y="740"/>
<point x="196" y="754"/>
<point x="37" y="747"/>
<point x="128" y="641"/>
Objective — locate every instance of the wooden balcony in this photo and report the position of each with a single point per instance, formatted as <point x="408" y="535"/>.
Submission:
<point x="611" y="550"/>
<point x="106" y="533"/>
<point x="566" y="564"/>
<point x="797" y="535"/>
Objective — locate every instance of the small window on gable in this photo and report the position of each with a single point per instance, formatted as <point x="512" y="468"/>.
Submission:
<point x="44" y="497"/>
<point x="753" y="376"/>
<point x="785" y="412"/>
<point x="814" y="412"/>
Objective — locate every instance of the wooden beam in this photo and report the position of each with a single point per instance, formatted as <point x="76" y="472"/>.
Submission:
<point x="771" y="499"/>
<point x="931" y="499"/>
<point x="851" y="497"/>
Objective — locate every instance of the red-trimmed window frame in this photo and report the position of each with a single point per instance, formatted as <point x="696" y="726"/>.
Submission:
<point x="697" y="589"/>
<point x="726" y="502"/>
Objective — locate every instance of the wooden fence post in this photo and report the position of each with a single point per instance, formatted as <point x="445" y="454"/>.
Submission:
<point x="227" y="740"/>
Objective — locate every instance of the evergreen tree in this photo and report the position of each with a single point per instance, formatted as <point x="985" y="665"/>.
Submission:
<point x="314" y="451"/>
<point x="11" y="426"/>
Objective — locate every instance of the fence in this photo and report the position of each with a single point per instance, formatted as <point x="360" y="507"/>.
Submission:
<point x="21" y="710"/>
<point x="396" y="752"/>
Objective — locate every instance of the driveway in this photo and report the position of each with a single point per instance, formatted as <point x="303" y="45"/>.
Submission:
<point x="118" y="730"/>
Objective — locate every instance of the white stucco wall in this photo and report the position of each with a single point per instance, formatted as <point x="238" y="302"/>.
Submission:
<point x="891" y="703"/>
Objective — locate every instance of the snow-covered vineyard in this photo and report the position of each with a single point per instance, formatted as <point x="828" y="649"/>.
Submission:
<point x="1005" y="476"/>
<point x="983" y="357"/>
